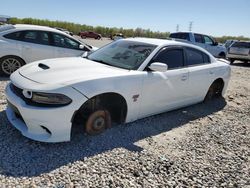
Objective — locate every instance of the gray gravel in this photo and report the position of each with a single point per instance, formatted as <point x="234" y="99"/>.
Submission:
<point x="205" y="145"/>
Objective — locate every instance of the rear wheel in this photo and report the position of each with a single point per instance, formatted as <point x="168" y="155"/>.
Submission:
<point x="215" y="90"/>
<point x="10" y="64"/>
<point x="98" y="121"/>
<point x="222" y="55"/>
<point x="98" y="38"/>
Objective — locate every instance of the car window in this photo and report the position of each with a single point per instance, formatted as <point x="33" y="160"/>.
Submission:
<point x="184" y="36"/>
<point x="196" y="57"/>
<point x="198" y="38"/>
<point x="14" y="35"/>
<point x="43" y="38"/>
<point x="208" y="40"/>
<point x="30" y="36"/>
<point x="65" y="42"/>
<point x="241" y="44"/>
<point x="172" y="57"/>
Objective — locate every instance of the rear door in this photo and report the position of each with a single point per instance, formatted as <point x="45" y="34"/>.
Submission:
<point x="35" y="45"/>
<point x="65" y="46"/>
<point x="201" y="74"/>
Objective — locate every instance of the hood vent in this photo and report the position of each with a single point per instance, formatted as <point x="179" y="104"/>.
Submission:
<point x="43" y="66"/>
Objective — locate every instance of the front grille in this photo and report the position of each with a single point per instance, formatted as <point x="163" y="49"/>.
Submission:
<point x="16" y="90"/>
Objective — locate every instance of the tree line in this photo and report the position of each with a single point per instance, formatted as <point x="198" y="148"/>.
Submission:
<point x="107" y="31"/>
<point x="104" y="31"/>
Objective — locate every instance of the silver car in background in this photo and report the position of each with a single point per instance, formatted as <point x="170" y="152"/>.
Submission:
<point x="239" y="50"/>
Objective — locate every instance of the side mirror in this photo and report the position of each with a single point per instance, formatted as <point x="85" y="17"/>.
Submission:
<point x="157" y="66"/>
<point x="215" y="43"/>
<point x="81" y="46"/>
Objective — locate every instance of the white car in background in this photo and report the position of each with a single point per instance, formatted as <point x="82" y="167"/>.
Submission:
<point x="239" y="50"/>
<point x="21" y="44"/>
<point x="126" y="80"/>
<point x="204" y="41"/>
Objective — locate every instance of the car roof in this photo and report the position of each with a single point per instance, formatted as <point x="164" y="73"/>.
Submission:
<point x="36" y="27"/>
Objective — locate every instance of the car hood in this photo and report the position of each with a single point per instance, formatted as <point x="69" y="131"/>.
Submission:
<point x="67" y="71"/>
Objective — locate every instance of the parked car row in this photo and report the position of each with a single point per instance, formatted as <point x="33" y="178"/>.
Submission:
<point x="22" y="44"/>
<point x="114" y="84"/>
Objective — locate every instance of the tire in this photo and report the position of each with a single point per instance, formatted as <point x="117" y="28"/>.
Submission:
<point x="245" y="62"/>
<point x="97" y="122"/>
<point x="10" y="64"/>
<point x="214" y="91"/>
<point x="222" y="55"/>
<point x="98" y="38"/>
<point x="231" y="61"/>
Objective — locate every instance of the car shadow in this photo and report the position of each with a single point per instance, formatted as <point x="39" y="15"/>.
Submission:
<point x="23" y="157"/>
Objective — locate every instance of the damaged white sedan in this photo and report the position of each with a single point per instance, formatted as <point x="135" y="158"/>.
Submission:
<point x="124" y="81"/>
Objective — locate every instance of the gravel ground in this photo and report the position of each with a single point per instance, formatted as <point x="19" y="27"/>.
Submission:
<point x="205" y="145"/>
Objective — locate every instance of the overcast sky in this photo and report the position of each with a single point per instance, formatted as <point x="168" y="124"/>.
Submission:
<point x="213" y="17"/>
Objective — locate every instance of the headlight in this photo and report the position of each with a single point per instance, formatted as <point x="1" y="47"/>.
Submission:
<point x="50" y="99"/>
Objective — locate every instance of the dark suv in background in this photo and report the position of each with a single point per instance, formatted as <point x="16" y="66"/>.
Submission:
<point x="89" y="34"/>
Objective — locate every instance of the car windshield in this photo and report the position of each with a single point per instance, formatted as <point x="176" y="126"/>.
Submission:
<point x="241" y="44"/>
<point x="123" y="54"/>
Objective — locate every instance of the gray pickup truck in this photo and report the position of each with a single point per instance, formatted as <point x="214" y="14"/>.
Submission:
<point x="203" y="41"/>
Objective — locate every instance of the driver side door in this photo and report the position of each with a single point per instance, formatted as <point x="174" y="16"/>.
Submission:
<point x="163" y="91"/>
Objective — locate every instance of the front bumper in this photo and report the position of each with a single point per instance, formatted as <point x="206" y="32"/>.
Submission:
<point x="45" y="124"/>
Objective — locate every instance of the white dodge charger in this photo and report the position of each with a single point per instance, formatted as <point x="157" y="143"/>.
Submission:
<point x="124" y="81"/>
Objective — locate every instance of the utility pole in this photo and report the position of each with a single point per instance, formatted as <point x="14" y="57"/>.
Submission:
<point x="190" y="26"/>
<point x="177" y="27"/>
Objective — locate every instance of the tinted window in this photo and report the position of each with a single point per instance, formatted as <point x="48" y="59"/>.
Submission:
<point x="184" y="36"/>
<point x="208" y="40"/>
<point x="198" y="38"/>
<point x="30" y="36"/>
<point x="14" y="36"/>
<point x="44" y="38"/>
<point x="65" y="42"/>
<point x="173" y="58"/>
<point x="241" y="44"/>
<point x="196" y="57"/>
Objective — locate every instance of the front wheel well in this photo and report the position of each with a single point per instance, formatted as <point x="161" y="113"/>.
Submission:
<point x="113" y="102"/>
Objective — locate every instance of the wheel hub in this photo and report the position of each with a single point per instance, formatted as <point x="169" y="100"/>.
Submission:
<point x="10" y="65"/>
<point x="99" y="123"/>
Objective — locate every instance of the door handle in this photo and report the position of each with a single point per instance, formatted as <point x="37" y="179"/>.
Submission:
<point x="184" y="77"/>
